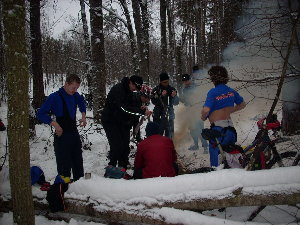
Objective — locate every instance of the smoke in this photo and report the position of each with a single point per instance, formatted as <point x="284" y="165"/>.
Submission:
<point x="264" y="29"/>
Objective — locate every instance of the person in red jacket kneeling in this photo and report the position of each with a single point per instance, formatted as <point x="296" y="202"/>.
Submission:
<point x="156" y="155"/>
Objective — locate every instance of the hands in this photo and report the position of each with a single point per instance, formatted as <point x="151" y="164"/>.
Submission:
<point x="173" y="93"/>
<point x="148" y="113"/>
<point x="82" y="122"/>
<point x="58" y="129"/>
<point x="164" y="93"/>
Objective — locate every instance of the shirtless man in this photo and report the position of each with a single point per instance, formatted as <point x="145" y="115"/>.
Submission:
<point x="220" y="102"/>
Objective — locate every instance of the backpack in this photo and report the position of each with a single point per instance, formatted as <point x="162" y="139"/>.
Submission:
<point x="37" y="175"/>
<point x="55" y="195"/>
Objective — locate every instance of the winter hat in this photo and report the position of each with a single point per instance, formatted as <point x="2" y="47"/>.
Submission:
<point x="164" y="76"/>
<point x="151" y="129"/>
<point x="137" y="80"/>
<point x="185" y="77"/>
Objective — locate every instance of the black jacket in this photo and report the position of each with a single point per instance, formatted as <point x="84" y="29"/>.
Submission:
<point x="164" y="104"/>
<point x="119" y="105"/>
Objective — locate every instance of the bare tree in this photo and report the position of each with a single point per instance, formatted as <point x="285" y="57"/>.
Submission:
<point x="144" y="66"/>
<point x="87" y="43"/>
<point x="36" y="52"/>
<point x="2" y="70"/>
<point x="200" y="11"/>
<point x="132" y="38"/>
<point x="171" y="35"/>
<point x="98" y="58"/>
<point x="163" y="34"/>
<point x="291" y="96"/>
<point x="18" y="106"/>
<point x="145" y="25"/>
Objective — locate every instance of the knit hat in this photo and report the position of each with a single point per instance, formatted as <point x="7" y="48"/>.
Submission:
<point x="151" y="129"/>
<point x="164" y="76"/>
<point x="185" y="77"/>
<point x="137" y="80"/>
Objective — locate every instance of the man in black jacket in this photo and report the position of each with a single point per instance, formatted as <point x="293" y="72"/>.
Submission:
<point x="117" y="120"/>
<point x="164" y="97"/>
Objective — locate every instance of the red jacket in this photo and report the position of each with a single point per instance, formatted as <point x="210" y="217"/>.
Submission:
<point x="156" y="155"/>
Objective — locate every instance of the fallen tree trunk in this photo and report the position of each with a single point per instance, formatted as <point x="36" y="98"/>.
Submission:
<point x="150" y="201"/>
<point x="139" y="213"/>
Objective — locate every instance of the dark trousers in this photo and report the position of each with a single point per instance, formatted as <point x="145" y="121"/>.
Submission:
<point x="68" y="154"/>
<point x="138" y="173"/>
<point x="166" y="126"/>
<point x="118" y="137"/>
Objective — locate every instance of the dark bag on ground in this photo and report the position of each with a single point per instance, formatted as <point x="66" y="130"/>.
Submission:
<point x="55" y="197"/>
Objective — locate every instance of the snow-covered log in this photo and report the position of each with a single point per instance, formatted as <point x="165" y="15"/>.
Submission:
<point x="135" y="200"/>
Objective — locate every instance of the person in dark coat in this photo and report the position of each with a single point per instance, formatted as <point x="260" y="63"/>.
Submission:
<point x="117" y="120"/>
<point x="164" y="97"/>
<point x="155" y="156"/>
<point x="67" y="144"/>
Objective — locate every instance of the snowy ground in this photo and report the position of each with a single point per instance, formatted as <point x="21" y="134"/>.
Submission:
<point x="102" y="189"/>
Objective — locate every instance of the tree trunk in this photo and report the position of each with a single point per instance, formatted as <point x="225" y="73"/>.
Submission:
<point x="198" y="12"/>
<point x="140" y="38"/>
<point x="98" y="58"/>
<point x="36" y="51"/>
<point x="2" y="69"/>
<point x="219" y="12"/>
<point x="18" y="106"/>
<point x="171" y="37"/>
<point x="291" y="90"/>
<point x="144" y="214"/>
<point x="163" y="35"/>
<point x="203" y="33"/>
<point x="200" y="33"/>
<point x="145" y="24"/>
<point x="132" y="38"/>
<point x="87" y="44"/>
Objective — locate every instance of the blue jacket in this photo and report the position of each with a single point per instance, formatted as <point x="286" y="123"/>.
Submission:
<point x="54" y="105"/>
<point x="222" y="96"/>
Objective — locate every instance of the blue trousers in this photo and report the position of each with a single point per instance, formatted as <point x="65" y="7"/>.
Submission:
<point x="228" y="138"/>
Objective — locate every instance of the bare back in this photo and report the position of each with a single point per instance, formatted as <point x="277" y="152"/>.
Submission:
<point x="221" y="114"/>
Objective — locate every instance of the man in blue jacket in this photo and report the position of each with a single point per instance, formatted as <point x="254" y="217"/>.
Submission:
<point x="67" y="144"/>
<point x="220" y="102"/>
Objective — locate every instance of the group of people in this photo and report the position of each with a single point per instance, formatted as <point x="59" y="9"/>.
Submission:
<point x="126" y="102"/>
